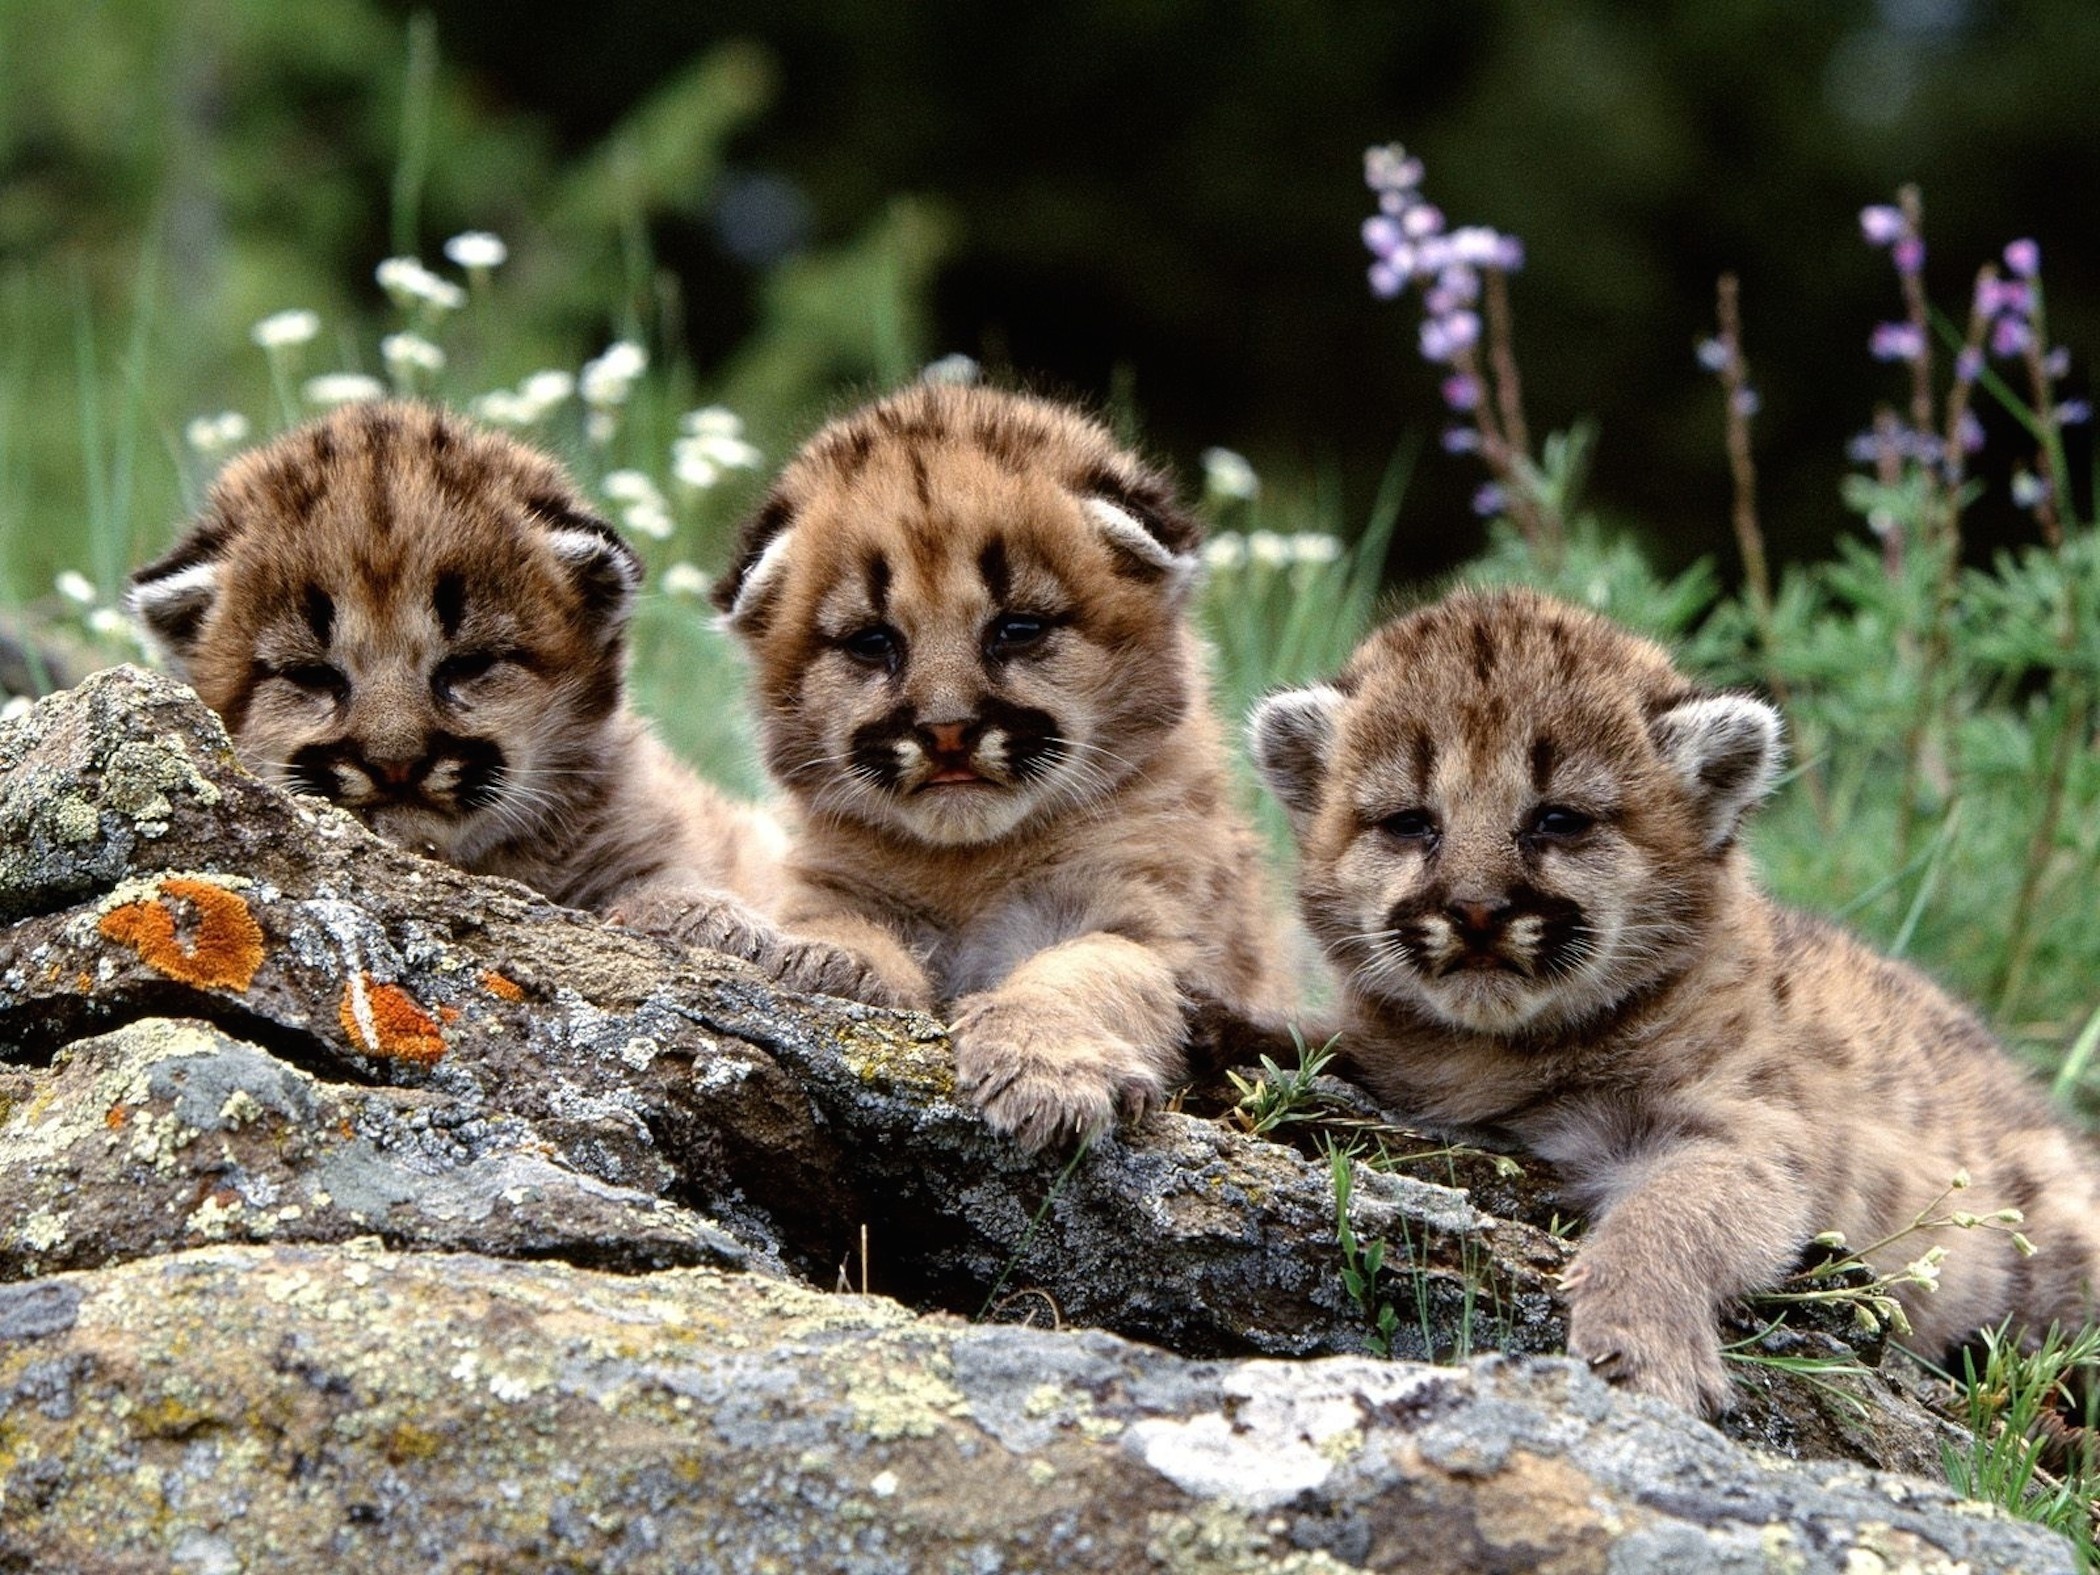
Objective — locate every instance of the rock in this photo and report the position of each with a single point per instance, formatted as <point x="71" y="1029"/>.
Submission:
<point x="307" y="1407"/>
<point x="237" y="1033"/>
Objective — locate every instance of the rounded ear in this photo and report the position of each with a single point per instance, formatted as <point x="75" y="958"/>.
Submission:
<point x="1137" y="511"/>
<point x="1145" y="551"/>
<point x="746" y="589"/>
<point x="172" y="597"/>
<point x="606" y="572"/>
<point x="1291" y="737"/>
<point x="1726" y="750"/>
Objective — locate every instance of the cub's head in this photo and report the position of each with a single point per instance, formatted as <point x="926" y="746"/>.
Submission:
<point x="1512" y="813"/>
<point x="964" y="608"/>
<point x="415" y="618"/>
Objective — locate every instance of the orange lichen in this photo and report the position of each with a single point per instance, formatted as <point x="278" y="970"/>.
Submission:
<point x="384" y="1020"/>
<point x="448" y="1014"/>
<point x="83" y="981"/>
<point x="501" y="988"/>
<point x="115" y="1118"/>
<point x="222" y="954"/>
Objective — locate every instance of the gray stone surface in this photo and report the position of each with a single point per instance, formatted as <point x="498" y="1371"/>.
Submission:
<point x="292" y="1124"/>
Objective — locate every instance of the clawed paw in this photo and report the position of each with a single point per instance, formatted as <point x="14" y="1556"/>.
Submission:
<point x="1043" y="1081"/>
<point x="722" y="924"/>
<point x="1675" y="1358"/>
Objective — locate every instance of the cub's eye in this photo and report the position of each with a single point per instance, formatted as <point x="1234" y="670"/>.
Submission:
<point x="463" y="668"/>
<point x="1409" y="825"/>
<point x="1558" y="823"/>
<point x="1014" y="632"/>
<point x="878" y="645"/>
<point x="317" y="678"/>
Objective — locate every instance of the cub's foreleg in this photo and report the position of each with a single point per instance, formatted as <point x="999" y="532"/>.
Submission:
<point x="1077" y="1035"/>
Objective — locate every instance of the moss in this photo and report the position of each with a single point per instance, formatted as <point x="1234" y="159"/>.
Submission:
<point x="876" y="1052"/>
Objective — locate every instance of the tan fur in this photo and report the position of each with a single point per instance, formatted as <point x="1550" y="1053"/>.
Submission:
<point x="1083" y="867"/>
<point x="425" y="623"/>
<point x="1720" y="1078"/>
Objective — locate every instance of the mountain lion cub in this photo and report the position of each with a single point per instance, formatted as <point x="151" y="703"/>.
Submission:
<point x="425" y="623"/>
<point x="1519" y="834"/>
<point x="976" y="680"/>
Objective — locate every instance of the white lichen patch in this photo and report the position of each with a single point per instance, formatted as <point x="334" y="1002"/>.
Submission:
<point x="513" y="1387"/>
<point x="241" y="1107"/>
<point x="1209" y="1457"/>
<point x="212" y="1219"/>
<point x="74" y="820"/>
<point x="42" y="1231"/>
<point x="639" y="1051"/>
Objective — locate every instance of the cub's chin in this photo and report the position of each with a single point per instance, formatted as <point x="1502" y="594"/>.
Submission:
<point x="1485" y="1001"/>
<point x="960" y="814"/>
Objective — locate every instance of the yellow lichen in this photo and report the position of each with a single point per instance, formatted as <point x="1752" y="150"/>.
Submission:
<point x="224" y="952"/>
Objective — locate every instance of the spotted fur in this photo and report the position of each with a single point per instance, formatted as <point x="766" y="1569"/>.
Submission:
<point x="425" y="623"/>
<point x="1518" y="827"/>
<point x="976" y="682"/>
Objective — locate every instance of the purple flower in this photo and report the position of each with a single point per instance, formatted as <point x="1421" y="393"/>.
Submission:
<point x="1969" y="432"/>
<point x="2056" y="363"/>
<point x="2000" y="297"/>
<point x="1390" y="169"/>
<point x="1897" y="342"/>
<point x="1968" y="365"/>
<point x="1865" y="448"/>
<point x="1383" y="234"/>
<point x="1444" y="337"/>
<point x="2024" y="258"/>
<point x="1386" y="280"/>
<point x="1460" y="440"/>
<point x="1909" y="253"/>
<point x="1461" y="284"/>
<point x="1423" y="219"/>
<point x="1509" y="254"/>
<point x="1713" y="354"/>
<point x="1882" y="224"/>
<point x="2028" y="489"/>
<point x="2009" y="337"/>
<point x="1461" y="393"/>
<point x="1746" y="403"/>
<point x="1489" y="501"/>
<point x="2072" y="412"/>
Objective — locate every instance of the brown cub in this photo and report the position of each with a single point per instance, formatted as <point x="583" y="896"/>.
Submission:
<point x="976" y="682"/>
<point x="424" y="622"/>
<point x="1519" y="835"/>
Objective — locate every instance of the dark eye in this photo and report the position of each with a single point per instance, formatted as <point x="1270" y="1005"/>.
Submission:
<point x="317" y="678"/>
<point x="460" y="669"/>
<point x="878" y="645"/>
<point x="1560" y="823"/>
<point x="1409" y="825"/>
<point x="1013" y="632"/>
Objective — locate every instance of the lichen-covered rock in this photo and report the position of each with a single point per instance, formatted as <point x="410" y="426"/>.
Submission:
<point x="308" y="1408"/>
<point x="233" y="1022"/>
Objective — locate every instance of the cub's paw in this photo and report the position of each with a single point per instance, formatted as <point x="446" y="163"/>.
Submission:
<point x="1045" y="1076"/>
<point x="1673" y="1353"/>
<point x="722" y="924"/>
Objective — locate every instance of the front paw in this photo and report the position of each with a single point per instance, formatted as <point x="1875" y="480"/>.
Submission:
<point x="1045" y="1077"/>
<point x="1651" y="1345"/>
<point x="723" y="924"/>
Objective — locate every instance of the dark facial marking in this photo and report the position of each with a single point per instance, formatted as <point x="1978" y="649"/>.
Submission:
<point x="878" y="583"/>
<point x="480" y="762"/>
<point x="1543" y="757"/>
<point x="921" y="484"/>
<point x="449" y="599"/>
<point x="996" y="572"/>
<point x="1422" y="750"/>
<point x="1483" y="653"/>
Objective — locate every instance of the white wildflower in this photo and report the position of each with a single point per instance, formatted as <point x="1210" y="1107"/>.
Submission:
<point x="1225" y="551"/>
<point x="630" y="486"/>
<point x="214" y="435"/>
<point x="683" y="579"/>
<point x="2023" y="1246"/>
<point x="108" y="622"/>
<point x="15" y="709"/>
<point x="1312" y="546"/>
<point x="958" y="368"/>
<point x="693" y="468"/>
<point x="649" y="519"/>
<point x="411" y="284"/>
<point x="281" y="330"/>
<point x="713" y="442"/>
<point x="610" y="378"/>
<point x="711" y="421"/>
<point x="1268" y="550"/>
<point x="406" y="353"/>
<point x="1960" y="1181"/>
<point x="502" y="408"/>
<point x="1227" y="474"/>
<point x="599" y="427"/>
<point x="1925" y="1271"/>
<point x="341" y="388"/>
<point x="544" y="390"/>
<point x="77" y="587"/>
<point x="1830" y="1238"/>
<point x="477" y="250"/>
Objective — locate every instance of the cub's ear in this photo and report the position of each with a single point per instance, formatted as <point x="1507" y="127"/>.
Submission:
<point x="604" y="569"/>
<point x="1291" y="736"/>
<point x="171" y="598"/>
<point x="1727" y="751"/>
<point x="746" y="592"/>
<point x="1136" y="510"/>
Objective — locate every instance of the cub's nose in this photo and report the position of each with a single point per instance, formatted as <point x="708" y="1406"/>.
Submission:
<point x="949" y="738"/>
<point x="1477" y="918"/>
<point x="393" y="773"/>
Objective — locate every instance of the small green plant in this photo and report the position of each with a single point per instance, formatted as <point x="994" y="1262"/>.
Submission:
<point x="1361" y="1263"/>
<point x="2019" y="1454"/>
<point x="1276" y="1098"/>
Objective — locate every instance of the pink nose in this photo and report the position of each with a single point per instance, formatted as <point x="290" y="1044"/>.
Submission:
<point x="1474" y="915"/>
<point x="947" y="736"/>
<point x="393" y="773"/>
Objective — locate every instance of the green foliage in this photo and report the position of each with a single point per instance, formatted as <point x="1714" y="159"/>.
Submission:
<point x="1276" y="1098"/>
<point x="2020" y="1453"/>
<point x="1361" y="1263"/>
